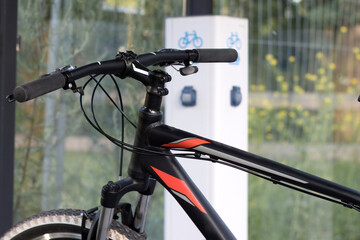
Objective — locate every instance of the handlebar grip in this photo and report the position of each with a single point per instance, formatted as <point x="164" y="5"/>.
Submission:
<point x="45" y="84"/>
<point x="216" y="55"/>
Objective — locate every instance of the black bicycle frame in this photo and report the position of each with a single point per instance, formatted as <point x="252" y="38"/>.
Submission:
<point x="152" y="158"/>
<point x="164" y="167"/>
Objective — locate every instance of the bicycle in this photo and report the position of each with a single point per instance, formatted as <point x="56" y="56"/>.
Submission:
<point x="234" y="40"/>
<point x="152" y="160"/>
<point x="190" y="38"/>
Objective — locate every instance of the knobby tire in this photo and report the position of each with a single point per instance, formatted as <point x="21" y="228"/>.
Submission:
<point x="63" y="224"/>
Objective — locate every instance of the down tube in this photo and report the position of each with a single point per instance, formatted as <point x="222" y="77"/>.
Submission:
<point x="168" y="171"/>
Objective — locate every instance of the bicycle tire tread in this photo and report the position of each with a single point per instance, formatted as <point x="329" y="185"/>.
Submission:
<point x="71" y="217"/>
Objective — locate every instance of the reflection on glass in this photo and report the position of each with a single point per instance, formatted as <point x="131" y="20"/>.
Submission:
<point x="304" y="76"/>
<point x="61" y="162"/>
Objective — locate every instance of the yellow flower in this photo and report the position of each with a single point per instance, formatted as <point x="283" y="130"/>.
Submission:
<point x="280" y="126"/>
<point x="350" y="90"/>
<point x="348" y="118"/>
<point x="281" y="114"/>
<point x="266" y="102"/>
<point x="353" y="81"/>
<point x="300" y="122"/>
<point x="343" y="29"/>
<point x="269" y="136"/>
<point x="252" y="110"/>
<point x="332" y="66"/>
<point x="261" y="87"/>
<point x="357" y="56"/>
<point x="323" y="79"/>
<point x="331" y="85"/>
<point x="319" y="55"/>
<point x="262" y="113"/>
<point x="311" y="77"/>
<point x="327" y="100"/>
<point x="306" y="113"/>
<point x="284" y="86"/>
<point x="298" y="90"/>
<point x="298" y="107"/>
<point x="355" y="50"/>
<point x="321" y="70"/>
<point x="253" y="87"/>
<point x="320" y="87"/>
<point x="292" y="59"/>
<point x="280" y="78"/>
<point x="292" y="114"/>
<point x="269" y="57"/>
<point x="342" y="128"/>
<point x="273" y="62"/>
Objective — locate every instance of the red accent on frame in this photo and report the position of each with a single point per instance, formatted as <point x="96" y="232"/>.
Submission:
<point x="189" y="143"/>
<point x="179" y="186"/>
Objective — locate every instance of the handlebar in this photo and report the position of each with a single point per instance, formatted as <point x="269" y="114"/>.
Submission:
<point x="119" y="66"/>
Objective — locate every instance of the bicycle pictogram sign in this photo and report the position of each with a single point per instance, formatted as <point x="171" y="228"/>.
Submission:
<point x="234" y="41"/>
<point x="190" y="38"/>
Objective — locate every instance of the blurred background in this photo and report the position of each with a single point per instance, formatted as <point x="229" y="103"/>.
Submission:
<point x="304" y="59"/>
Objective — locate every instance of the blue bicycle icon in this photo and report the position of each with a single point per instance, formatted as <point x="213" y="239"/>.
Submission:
<point x="190" y="37"/>
<point x="234" y="41"/>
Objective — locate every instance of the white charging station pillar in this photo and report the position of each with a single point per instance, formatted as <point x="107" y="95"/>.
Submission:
<point x="218" y="111"/>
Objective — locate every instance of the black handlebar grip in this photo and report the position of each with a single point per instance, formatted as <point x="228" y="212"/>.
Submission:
<point x="43" y="85"/>
<point x="216" y="55"/>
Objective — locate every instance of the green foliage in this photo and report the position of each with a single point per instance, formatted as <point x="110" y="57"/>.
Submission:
<point x="78" y="32"/>
<point x="303" y="61"/>
<point x="278" y="213"/>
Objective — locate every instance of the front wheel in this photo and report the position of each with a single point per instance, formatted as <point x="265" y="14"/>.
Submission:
<point x="64" y="224"/>
<point x="198" y="42"/>
<point x="183" y="42"/>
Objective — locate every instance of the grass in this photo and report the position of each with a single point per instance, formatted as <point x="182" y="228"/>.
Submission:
<point x="279" y="213"/>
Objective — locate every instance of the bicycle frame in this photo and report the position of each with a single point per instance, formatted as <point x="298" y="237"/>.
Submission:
<point x="152" y="158"/>
<point x="165" y="168"/>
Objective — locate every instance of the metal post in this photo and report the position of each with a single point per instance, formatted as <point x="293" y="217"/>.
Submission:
<point x="199" y="7"/>
<point x="8" y="23"/>
<point x="206" y="105"/>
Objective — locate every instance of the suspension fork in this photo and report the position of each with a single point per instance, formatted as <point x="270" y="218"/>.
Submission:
<point x="141" y="211"/>
<point x="110" y="196"/>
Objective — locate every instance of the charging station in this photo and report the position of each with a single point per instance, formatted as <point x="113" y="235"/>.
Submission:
<point x="212" y="103"/>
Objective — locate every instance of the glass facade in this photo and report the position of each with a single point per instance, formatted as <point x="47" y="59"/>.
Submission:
<point x="61" y="162"/>
<point x="304" y="83"/>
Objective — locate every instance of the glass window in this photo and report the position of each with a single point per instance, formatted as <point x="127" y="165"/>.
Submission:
<point x="61" y="162"/>
<point x="303" y="110"/>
